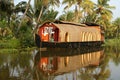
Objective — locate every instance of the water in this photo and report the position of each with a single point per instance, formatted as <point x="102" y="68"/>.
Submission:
<point x="61" y="64"/>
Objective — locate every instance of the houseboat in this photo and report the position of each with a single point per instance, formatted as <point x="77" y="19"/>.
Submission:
<point x="68" y="35"/>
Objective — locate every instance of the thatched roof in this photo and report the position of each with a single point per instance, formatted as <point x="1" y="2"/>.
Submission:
<point x="76" y="31"/>
<point x="70" y="23"/>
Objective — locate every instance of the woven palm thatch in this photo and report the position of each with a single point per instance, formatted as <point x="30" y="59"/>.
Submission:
<point x="78" y="33"/>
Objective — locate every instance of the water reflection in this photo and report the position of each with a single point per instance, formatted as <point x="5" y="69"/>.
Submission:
<point x="65" y="63"/>
<point x="15" y="66"/>
<point x="61" y="64"/>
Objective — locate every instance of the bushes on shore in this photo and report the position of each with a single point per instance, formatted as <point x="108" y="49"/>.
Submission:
<point x="112" y="42"/>
<point x="11" y="43"/>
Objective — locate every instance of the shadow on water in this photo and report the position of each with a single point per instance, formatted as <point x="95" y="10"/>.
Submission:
<point x="68" y="51"/>
<point x="56" y="62"/>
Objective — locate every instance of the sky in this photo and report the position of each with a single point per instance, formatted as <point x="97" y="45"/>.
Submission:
<point x="116" y="3"/>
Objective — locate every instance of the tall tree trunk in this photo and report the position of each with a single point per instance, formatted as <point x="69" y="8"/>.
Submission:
<point x="40" y="14"/>
<point x="27" y="7"/>
<point x="36" y="26"/>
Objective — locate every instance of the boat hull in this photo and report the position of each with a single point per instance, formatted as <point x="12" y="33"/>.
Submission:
<point x="42" y="44"/>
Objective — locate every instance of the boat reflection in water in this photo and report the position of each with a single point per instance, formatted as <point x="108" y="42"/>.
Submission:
<point x="55" y="62"/>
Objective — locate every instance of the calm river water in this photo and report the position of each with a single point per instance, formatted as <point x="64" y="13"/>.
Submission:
<point x="61" y="64"/>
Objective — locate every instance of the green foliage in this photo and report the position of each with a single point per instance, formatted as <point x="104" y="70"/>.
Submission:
<point x="25" y="35"/>
<point x="3" y="24"/>
<point x="5" y="32"/>
<point x="50" y="15"/>
<point x="67" y="16"/>
<point x="112" y="42"/>
<point x="11" y="43"/>
<point x="9" y="51"/>
<point x="113" y="29"/>
<point x="84" y="11"/>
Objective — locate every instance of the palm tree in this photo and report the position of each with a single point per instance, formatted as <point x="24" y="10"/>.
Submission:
<point x="67" y="16"/>
<point x="7" y="8"/>
<point x="103" y="12"/>
<point x="50" y="15"/>
<point x="54" y="3"/>
<point x="75" y="3"/>
<point x="27" y="7"/>
<point x="69" y="3"/>
<point x="87" y="9"/>
<point x="41" y="8"/>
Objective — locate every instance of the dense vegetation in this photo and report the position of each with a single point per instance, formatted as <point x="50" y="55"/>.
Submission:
<point x="17" y="21"/>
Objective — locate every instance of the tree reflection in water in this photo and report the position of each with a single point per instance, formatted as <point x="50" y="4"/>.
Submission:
<point x="15" y="66"/>
<point x="114" y="54"/>
<point x="59" y="64"/>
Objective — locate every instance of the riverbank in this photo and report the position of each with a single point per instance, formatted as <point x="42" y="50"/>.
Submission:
<point x="112" y="44"/>
<point x="13" y="46"/>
